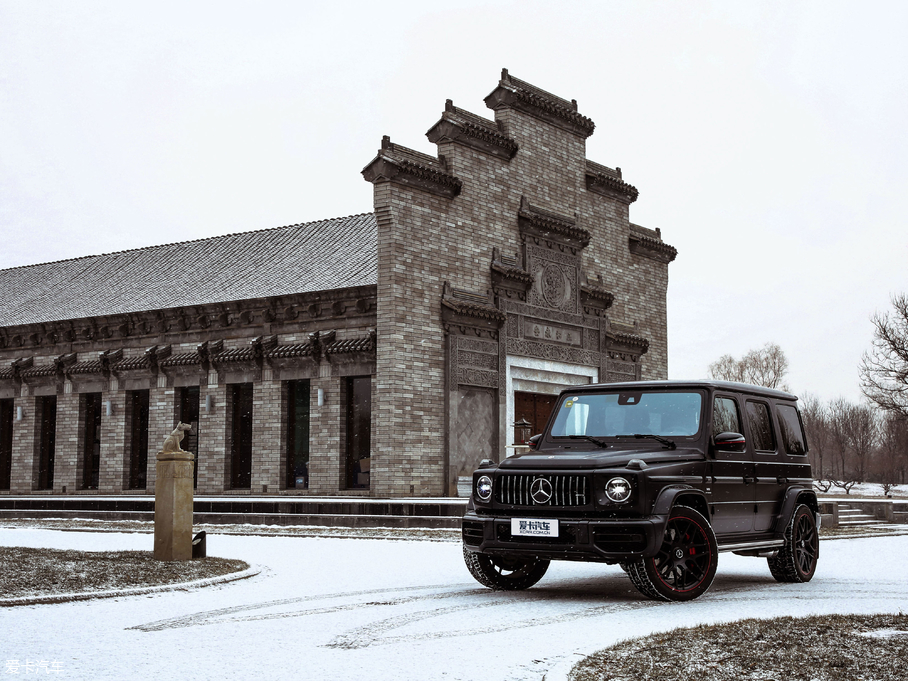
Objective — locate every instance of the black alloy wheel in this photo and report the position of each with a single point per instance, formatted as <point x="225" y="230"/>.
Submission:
<point x="797" y="561"/>
<point x="504" y="573"/>
<point x="685" y="565"/>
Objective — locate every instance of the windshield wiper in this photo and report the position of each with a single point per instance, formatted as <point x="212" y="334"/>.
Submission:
<point x="602" y="444"/>
<point x="664" y="440"/>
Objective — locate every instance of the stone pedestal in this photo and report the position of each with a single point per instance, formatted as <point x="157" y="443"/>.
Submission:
<point x="173" y="506"/>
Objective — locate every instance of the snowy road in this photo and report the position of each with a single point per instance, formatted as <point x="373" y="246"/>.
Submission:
<point x="350" y="609"/>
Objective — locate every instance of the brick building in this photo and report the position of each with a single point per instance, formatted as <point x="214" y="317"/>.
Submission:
<point x="382" y="354"/>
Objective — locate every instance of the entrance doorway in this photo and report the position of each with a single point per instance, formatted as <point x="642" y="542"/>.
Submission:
<point x="533" y="408"/>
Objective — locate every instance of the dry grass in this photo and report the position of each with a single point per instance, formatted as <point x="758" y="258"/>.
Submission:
<point x="821" y="648"/>
<point x="48" y="572"/>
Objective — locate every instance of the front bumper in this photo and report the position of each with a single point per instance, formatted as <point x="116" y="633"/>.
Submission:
<point x="609" y="540"/>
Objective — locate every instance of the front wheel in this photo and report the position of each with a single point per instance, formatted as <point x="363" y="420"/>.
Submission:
<point x="797" y="560"/>
<point x="504" y="573"/>
<point x="685" y="566"/>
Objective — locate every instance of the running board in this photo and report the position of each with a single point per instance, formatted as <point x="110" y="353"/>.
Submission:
<point x="754" y="545"/>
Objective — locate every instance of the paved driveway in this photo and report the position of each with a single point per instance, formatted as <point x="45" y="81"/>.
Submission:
<point x="350" y="609"/>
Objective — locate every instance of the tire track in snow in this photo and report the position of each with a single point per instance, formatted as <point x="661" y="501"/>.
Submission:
<point x="369" y="635"/>
<point x="223" y="614"/>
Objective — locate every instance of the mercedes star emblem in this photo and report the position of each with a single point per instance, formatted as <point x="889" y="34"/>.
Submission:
<point x="541" y="491"/>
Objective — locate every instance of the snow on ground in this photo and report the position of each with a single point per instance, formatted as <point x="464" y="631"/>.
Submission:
<point x="866" y="490"/>
<point x="350" y="609"/>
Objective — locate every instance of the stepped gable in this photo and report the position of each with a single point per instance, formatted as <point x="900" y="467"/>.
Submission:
<point x="517" y="94"/>
<point x="463" y="127"/>
<point x="649" y="244"/>
<point x="607" y="181"/>
<point x="316" y="256"/>
<point x="408" y="167"/>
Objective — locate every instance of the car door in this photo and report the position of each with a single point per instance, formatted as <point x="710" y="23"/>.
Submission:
<point x="792" y="446"/>
<point x="731" y="475"/>
<point x="770" y="470"/>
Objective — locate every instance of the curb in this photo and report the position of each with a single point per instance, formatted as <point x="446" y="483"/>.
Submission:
<point x="140" y="591"/>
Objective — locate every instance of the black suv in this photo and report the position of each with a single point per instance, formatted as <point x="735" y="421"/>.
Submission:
<point x="658" y="476"/>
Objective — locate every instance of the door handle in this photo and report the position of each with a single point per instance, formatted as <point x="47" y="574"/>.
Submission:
<point x="748" y="480"/>
<point x="781" y="480"/>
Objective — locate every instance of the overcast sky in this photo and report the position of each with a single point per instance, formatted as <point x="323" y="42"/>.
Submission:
<point x="767" y="139"/>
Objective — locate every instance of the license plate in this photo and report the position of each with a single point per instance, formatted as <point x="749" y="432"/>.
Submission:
<point x="534" y="527"/>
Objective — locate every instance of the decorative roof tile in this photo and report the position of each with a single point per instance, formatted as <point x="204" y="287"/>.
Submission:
<point x="649" y="247"/>
<point x="630" y="339"/>
<point x="235" y="355"/>
<point x="315" y="256"/>
<point x="459" y="125"/>
<point x="181" y="360"/>
<point x="39" y="371"/>
<point x="606" y="181"/>
<point x="287" y="351"/>
<point x="132" y="364"/>
<point x="364" y="344"/>
<point x="478" y="310"/>
<point x="545" y="223"/>
<point x="92" y="366"/>
<point x="513" y="92"/>
<point x="398" y="164"/>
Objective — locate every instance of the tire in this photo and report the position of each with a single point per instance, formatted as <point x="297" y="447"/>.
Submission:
<point x="685" y="566"/>
<point x="797" y="560"/>
<point x="504" y="573"/>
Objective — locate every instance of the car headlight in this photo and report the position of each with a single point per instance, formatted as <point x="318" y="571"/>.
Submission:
<point x="484" y="488"/>
<point x="618" y="490"/>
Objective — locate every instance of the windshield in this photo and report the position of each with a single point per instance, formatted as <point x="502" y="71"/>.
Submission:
<point x="612" y="414"/>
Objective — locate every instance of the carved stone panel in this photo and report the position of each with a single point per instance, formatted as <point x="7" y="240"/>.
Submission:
<point x="474" y="362"/>
<point x="590" y="339"/>
<point x="552" y="352"/>
<point x="555" y="333"/>
<point x="621" y="366"/>
<point x="556" y="282"/>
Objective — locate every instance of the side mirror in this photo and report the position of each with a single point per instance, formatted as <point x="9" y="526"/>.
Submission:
<point x="730" y="442"/>
<point x="533" y="442"/>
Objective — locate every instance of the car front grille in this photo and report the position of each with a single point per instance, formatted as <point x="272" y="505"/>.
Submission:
<point x="516" y="489"/>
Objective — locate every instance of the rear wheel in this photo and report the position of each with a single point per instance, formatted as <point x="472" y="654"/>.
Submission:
<point x="504" y="573"/>
<point x="797" y="560"/>
<point x="685" y="565"/>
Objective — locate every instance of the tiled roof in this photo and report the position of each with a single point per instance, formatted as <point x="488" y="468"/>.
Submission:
<point x="316" y="256"/>
<point x="186" y="359"/>
<point x="295" y="350"/>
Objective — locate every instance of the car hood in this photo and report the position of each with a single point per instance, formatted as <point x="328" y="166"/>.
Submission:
<point x="599" y="458"/>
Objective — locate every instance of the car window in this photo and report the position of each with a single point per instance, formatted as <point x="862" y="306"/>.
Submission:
<point x="790" y="429"/>
<point x="760" y="426"/>
<point x="725" y="416"/>
<point x="613" y="414"/>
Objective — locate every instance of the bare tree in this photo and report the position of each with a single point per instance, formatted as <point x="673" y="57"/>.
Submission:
<point x="892" y="465"/>
<point x="814" y="414"/>
<point x="837" y="416"/>
<point x="766" y="366"/>
<point x="727" y="368"/>
<point x="862" y="431"/>
<point x="884" y="370"/>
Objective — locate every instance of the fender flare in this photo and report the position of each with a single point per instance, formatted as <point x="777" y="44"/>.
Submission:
<point x="668" y="495"/>
<point x="793" y="498"/>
